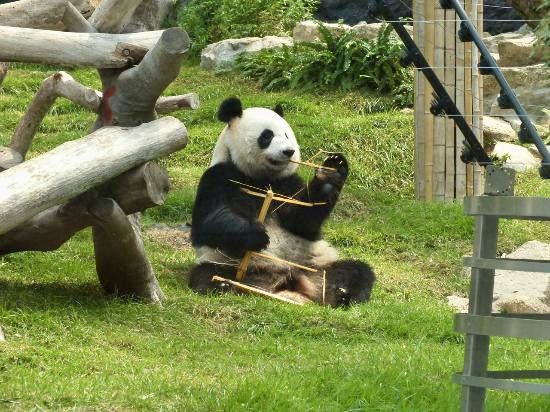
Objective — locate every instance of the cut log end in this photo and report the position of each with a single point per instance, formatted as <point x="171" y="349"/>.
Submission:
<point x="175" y="40"/>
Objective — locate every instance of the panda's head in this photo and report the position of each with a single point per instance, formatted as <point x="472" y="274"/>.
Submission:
<point x="257" y="140"/>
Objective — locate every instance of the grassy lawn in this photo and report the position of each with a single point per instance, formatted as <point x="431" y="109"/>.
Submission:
<point x="69" y="347"/>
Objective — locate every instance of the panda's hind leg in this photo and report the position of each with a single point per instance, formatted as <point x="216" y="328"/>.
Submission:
<point x="348" y="282"/>
<point x="200" y="279"/>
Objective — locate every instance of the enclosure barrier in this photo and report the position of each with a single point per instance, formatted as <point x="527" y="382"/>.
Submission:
<point x="496" y="203"/>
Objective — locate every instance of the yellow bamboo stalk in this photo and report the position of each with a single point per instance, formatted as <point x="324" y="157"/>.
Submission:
<point x="450" y="139"/>
<point x="439" y="149"/>
<point x="460" y="171"/>
<point x="255" y="290"/>
<point x="429" y="15"/>
<point x="419" y="98"/>
<point x="243" y="265"/>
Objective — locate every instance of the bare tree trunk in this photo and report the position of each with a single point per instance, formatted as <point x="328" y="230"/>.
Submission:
<point x="149" y="15"/>
<point x="121" y="263"/>
<point x="58" y="84"/>
<point x="75" y="22"/>
<point x="3" y="71"/>
<point x="112" y="15"/>
<point x="134" y="191"/>
<point x="40" y="14"/>
<point x="77" y="166"/>
<point x="129" y="97"/>
<point x="97" y="50"/>
<point x="169" y="104"/>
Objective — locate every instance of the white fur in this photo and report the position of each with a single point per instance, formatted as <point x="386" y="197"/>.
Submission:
<point x="239" y="142"/>
<point x="282" y="244"/>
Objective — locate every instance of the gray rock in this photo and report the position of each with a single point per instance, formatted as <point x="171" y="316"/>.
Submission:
<point x="534" y="77"/>
<point x="497" y="130"/>
<point x="517" y="303"/>
<point x="519" y="52"/>
<point x="533" y="99"/>
<point x="516" y="157"/>
<point x="530" y="284"/>
<point x="308" y="30"/>
<point x="222" y="54"/>
<point x="492" y="42"/>
<point x="458" y="303"/>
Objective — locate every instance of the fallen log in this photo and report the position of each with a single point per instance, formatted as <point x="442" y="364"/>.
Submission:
<point x="168" y="104"/>
<point x="149" y="15"/>
<point x="58" y="84"/>
<point x="110" y="16"/>
<point x="77" y="166"/>
<point x="129" y="97"/>
<point x="3" y="71"/>
<point x="99" y="50"/>
<point x="40" y="14"/>
<point x="135" y="191"/>
<point x="121" y="263"/>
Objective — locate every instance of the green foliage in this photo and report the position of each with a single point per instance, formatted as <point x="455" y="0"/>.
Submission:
<point x="342" y="62"/>
<point x="543" y="31"/>
<point x="208" y="21"/>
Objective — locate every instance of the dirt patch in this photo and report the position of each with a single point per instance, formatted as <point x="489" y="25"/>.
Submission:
<point x="169" y="236"/>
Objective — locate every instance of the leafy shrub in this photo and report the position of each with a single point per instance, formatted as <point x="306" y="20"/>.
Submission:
<point x="345" y="62"/>
<point x="208" y="21"/>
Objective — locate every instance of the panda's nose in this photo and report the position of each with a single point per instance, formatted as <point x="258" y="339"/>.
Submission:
<point x="289" y="152"/>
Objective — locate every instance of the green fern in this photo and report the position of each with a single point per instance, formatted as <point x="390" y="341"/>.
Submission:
<point x="342" y="62"/>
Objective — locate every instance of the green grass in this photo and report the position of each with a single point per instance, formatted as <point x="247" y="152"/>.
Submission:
<point x="69" y="347"/>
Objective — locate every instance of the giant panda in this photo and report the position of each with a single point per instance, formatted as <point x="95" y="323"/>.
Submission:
<point x="255" y="149"/>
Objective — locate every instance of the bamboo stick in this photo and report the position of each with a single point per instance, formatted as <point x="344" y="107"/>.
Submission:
<point x="460" y="174"/>
<point x="419" y="36"/>
<point x="278" y="259"/>
<point x="477" y="87"/>
<point x="312" y="165"/>
<point x="468" y="96"/>
<point x="284" y="199"/>
<point x="241" y="270"/>
<point x="429" y="15"/>
<point x="252" y="289"/>
<point x="439" y="149"/>
<point x="450" y="140"/>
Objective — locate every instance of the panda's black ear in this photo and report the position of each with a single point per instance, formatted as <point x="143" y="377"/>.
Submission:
<point x="229" y="109"/>
<point x="279" y="110"/>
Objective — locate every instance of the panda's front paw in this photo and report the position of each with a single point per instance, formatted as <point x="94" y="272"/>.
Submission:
<point x="332" y="180"/>
<point x="339" y="162"/>
<point x="257" y="238"/>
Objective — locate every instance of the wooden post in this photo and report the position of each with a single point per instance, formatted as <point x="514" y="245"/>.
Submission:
<point x="241" y="270"/>
<point x="419" y="98"/>
<point x="440" y="174"/>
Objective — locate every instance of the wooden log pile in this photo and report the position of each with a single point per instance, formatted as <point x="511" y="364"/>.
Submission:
<point x="105" y="179"/>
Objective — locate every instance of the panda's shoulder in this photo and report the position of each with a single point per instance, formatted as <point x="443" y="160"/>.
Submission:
<point x="221" y="171"/>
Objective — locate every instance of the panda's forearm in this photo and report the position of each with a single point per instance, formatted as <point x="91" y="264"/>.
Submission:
<point x="229" y="231"/>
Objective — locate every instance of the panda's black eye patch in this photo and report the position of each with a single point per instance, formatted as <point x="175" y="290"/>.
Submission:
<point x="265" y="138"/>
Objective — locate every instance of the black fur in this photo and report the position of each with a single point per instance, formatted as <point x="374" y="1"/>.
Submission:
<point x="230" y="109"/>
<point x="225" y="218"/>
<point x="265" y="138"/>
<point x="279" y="110"/>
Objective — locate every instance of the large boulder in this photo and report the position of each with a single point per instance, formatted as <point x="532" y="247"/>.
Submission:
<point x="222" y="55"/>
<point x="519" y="52"/>
<point x="497" y="130"/>
<point x="534" y="100"/>
<point x="308" y="31"/>
<point x="354" y="11"/>
<point x="516" y="157"/>
<point x="531" y="284"/>
<point x="534" y="76"/>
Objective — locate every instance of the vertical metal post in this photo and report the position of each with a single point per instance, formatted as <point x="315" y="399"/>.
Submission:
<point x="481" y="298"/>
